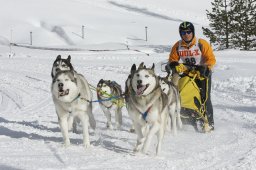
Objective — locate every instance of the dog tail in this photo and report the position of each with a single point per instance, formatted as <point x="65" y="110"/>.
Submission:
<point x="91" y="117"/>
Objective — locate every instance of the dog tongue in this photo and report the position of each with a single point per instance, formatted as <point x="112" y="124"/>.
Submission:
<point x="140" y="90"/>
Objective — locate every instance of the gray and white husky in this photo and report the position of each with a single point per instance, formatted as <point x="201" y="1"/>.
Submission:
<point x="72" y="98"/>
<point x="174" y="104"/>
<point x="109" y="95"/>
<point x="147" y="106"/>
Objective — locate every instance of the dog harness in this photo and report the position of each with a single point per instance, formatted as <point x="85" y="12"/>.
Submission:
<point x="117" y="100"/>
<point x="145" y="114"/>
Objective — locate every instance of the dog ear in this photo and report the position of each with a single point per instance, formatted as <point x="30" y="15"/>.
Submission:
<point x="58" y="57"/>
<point x="141" y="66"/>
<point x="101" y="81"/>
<point x="133" y="68"/>
<point x="69" y="58"/>
<point x="153" y="67"/>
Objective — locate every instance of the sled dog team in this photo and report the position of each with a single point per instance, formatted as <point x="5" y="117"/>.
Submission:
<point x="153" y="103"/>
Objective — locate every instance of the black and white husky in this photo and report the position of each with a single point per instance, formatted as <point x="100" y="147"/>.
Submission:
<point x="61" y="64"/>
<point x="174" y="105"/>
<point x="109" y="95"/>
<point x="147" y="106"/>
<point x="72" y="98"/>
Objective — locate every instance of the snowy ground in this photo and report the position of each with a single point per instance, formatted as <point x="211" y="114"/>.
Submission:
<point x="30" y="137"/>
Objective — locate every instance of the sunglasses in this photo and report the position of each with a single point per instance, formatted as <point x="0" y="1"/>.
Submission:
<point x="185" y="32"/>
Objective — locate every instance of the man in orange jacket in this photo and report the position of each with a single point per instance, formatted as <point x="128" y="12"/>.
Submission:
<point x="194" y="52"/>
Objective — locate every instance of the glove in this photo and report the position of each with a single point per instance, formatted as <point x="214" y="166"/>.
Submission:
<point x="170" y="68"/>
<point x="173" y="64"/>
<point x="180" y="68"/>
<point x="167" y="68"/>
<point x="204" y="71"/>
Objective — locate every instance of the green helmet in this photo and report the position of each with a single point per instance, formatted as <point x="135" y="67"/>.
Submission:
<point x="187" y="26"/>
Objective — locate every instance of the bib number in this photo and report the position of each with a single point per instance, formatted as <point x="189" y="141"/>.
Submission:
<point x="190" y="61"/>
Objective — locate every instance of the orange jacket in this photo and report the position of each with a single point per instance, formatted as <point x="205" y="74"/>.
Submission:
<point x="206" y="50"/>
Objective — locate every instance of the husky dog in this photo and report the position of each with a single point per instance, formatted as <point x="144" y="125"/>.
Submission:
<point x="147" y="106"/>
<point x="61" y="64"/>
<point x="72" y="98"/>
<point x="174" y="104"/>
<point x="109" y="95"/>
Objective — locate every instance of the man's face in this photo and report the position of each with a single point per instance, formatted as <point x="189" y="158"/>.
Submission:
<point x="186" y="35"/>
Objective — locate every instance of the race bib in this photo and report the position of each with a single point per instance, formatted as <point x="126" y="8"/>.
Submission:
<point x="192" y="56"/>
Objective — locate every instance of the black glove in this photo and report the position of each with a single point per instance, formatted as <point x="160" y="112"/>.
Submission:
<point x="172" y="66"/>
<point x="167" y="68"/>
<point x="204" y="71"/>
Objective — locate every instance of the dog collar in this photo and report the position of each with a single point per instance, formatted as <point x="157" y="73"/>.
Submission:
<point x="76" y="98"/>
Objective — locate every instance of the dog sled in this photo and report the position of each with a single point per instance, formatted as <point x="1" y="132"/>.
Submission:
<point x="193" y="105"/>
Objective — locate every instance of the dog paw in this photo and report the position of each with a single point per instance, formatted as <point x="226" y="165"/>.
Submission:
<point x="109" y="126"/>
<point x="174" y="132"/>
<point x="87" y="145"/>
<point x="66" y="144"/>
<point x="118" y="127"/>
<point x="136" y="149"/>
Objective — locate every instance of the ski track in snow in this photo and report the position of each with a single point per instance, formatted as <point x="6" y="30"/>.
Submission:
<point x="29" y="123"/>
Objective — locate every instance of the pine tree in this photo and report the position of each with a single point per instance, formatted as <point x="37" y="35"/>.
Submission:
<point x="220" y="21"/>
<point x="210" y="35"/>
<point x="244" y="24"/>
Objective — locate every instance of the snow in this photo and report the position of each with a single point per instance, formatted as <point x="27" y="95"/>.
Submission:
<point x="30" y="137"/>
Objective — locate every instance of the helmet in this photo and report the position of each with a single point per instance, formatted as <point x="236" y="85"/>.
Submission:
<point x="187" y="26"/>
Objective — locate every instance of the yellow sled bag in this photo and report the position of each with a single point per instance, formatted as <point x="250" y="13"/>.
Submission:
<point x="191" y="98"/>
<point x="189" y="92"/>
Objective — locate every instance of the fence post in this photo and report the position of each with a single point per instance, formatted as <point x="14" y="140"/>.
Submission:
<point x="146" y="30"/>
<point x="10" y="45"/>
<point x="83" y="31"/>
<point x="30" y="37"/>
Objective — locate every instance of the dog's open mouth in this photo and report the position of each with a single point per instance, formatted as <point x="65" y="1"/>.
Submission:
<point x="63" y="92"/>
<point x="141" y="89"/>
